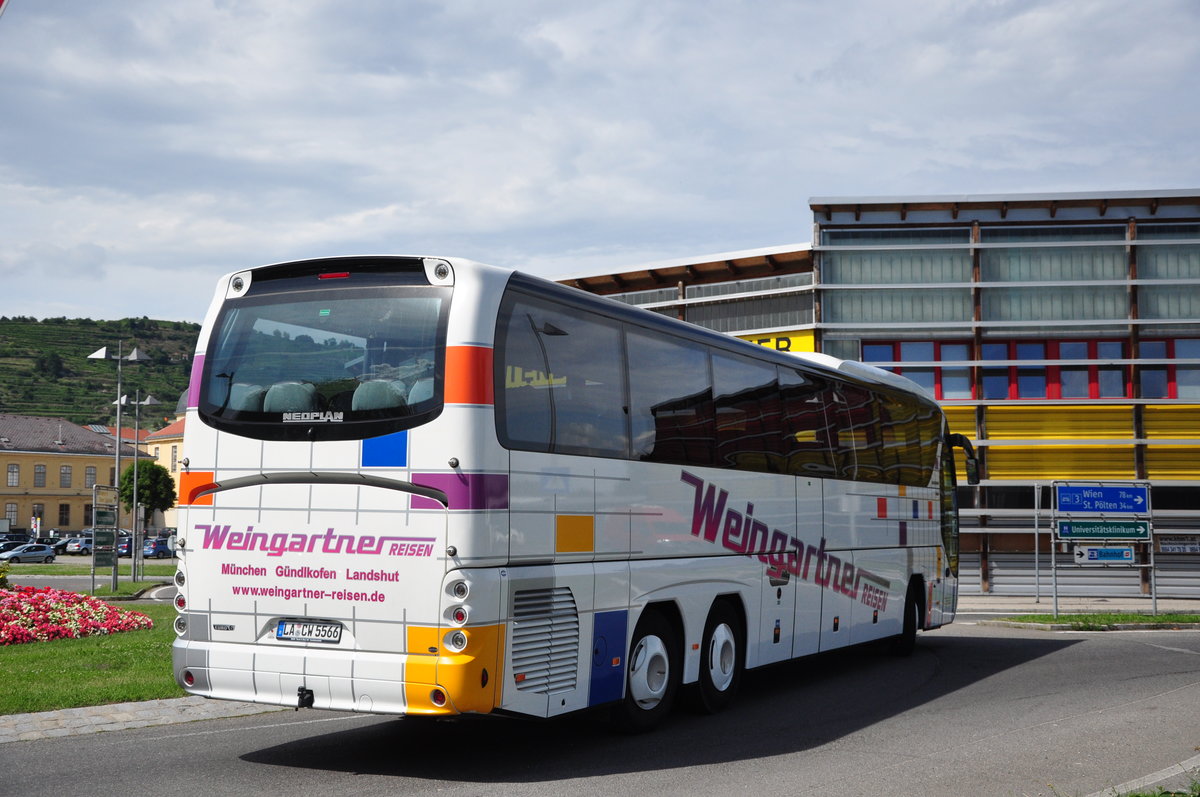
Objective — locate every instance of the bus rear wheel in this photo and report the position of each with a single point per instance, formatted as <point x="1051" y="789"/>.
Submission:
<point x="721" y="658"/>
<point x="652" y="675"/>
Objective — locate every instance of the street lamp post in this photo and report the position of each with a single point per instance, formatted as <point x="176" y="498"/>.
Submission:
<point x="134" y="356"/>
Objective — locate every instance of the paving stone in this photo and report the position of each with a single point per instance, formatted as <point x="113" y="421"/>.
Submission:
<point x="93" y="719"/>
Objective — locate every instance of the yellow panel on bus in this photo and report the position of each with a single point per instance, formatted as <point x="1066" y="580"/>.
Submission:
<point x="1175" y="422"/>
<point x="1060" y="462"/>
<point x="1059" y="423"/>
<point x="1173" y="462"/>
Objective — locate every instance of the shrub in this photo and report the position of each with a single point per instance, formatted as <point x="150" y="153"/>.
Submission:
<point x="36" y="614"/>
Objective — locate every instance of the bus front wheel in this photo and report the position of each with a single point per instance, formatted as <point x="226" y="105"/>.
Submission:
<point x="903" y="645"/>
<point x="652" y="675"/>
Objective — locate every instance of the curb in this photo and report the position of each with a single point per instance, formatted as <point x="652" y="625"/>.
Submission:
<point x="137" y="595"/>
<point x="1150" y="626"/>
<point x="121" y="716"/>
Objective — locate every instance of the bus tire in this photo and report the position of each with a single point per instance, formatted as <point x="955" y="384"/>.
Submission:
<point x="903" y="644"/>
<point x="721" y="658"/>
<point x="652" y="675"/>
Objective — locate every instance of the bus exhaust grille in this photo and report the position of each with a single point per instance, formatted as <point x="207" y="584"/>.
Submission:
<point x="545" y="640"/>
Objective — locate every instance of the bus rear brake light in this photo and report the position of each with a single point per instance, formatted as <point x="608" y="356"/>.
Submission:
<point x="334" y="275"/>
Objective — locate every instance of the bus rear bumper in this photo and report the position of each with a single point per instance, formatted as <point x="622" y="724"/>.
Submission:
<point x="335" y="680"/>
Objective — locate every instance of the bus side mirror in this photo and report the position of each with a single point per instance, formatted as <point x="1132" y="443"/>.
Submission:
<point x="972" y="466"/>
<point x="970" y="463"/>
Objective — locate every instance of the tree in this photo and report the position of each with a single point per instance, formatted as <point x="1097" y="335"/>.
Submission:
<point x="50" y="365"/>
<point x="156" y="488"/>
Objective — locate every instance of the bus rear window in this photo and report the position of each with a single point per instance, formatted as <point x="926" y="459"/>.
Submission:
<point x="326" y="365"/>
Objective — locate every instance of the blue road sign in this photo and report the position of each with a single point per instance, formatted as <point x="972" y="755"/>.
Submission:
<point x="1088" y="555"/>
<point x="1130" y="499"/>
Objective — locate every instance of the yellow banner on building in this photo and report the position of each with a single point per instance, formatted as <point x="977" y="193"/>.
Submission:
<point x="801" y="340"/>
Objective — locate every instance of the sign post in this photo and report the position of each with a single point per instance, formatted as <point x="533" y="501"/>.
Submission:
<point x="1103" y="513"/>
<point x="104" y="536"/>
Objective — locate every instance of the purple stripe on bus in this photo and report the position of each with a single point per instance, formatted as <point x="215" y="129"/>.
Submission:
<point x="464" y="490"/>
<point x="193" y="399"/>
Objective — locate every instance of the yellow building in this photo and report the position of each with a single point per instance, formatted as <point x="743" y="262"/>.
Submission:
<point x="50" y="467"/>
<point x="166" y="446"/>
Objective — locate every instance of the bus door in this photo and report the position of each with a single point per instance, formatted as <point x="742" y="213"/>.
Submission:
<point x="777" y="618"/>
<point x="942" y="601"/>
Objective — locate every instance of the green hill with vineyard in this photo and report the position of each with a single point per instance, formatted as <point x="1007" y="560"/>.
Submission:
<point x="45" y="370"/>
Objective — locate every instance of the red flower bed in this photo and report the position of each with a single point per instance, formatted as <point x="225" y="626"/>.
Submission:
<point x="35" y="614"/>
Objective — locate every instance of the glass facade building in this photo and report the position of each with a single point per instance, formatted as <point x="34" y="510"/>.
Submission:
<point x="1061" y="333"/>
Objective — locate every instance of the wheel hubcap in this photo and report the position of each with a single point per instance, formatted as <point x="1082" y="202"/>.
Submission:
<point x="649" y="672"/>
<point x="722" y="657"/>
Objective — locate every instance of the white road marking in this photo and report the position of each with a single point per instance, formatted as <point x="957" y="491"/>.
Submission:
<point x="1182" y="768"/>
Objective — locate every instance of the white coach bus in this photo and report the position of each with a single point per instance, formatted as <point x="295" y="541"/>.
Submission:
<point x="426" y="486"/>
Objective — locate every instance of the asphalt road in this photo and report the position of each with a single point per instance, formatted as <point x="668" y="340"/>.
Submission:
<point x="977" y="710"/>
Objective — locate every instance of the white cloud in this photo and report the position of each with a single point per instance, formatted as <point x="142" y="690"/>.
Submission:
<point x="158" y="145"/>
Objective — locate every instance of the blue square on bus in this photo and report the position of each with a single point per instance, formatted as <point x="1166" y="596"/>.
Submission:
<point x="388" y="451"/>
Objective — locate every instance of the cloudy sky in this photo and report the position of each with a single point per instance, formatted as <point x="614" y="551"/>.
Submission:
<point x="147" y="147"/>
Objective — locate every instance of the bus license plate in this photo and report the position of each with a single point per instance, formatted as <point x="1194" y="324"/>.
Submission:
<point x="309" y="631"/>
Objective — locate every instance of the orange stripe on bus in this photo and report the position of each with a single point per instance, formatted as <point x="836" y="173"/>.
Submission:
<point x="469" y="375"/>
<point x="192" y="482"/>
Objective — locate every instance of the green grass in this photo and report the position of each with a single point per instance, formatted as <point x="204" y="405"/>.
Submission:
<point x="1192" y="791"/>
<point x="1106" y="621"/>
<point x="68" y="673"/>
<point x="84" y="567"/>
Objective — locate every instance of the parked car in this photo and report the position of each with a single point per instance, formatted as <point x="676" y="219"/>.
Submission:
<point x="29" y="552"/>
<point x="157" y="548"/>
<point x="125" y="546"/>
<point x="60" y="544"/>
<point x="8" y="546"/>
<point x="79" y="546"/>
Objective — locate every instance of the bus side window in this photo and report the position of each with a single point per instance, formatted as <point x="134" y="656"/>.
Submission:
<point x="564" y="385"/>
<point x="805" y="425"/>
<point x="859" y="434"/>
<point x="589" y="404"/>
<point x="671" y="407"/>
<point x="523" y="397"/>
<point x="747" y="414"/>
